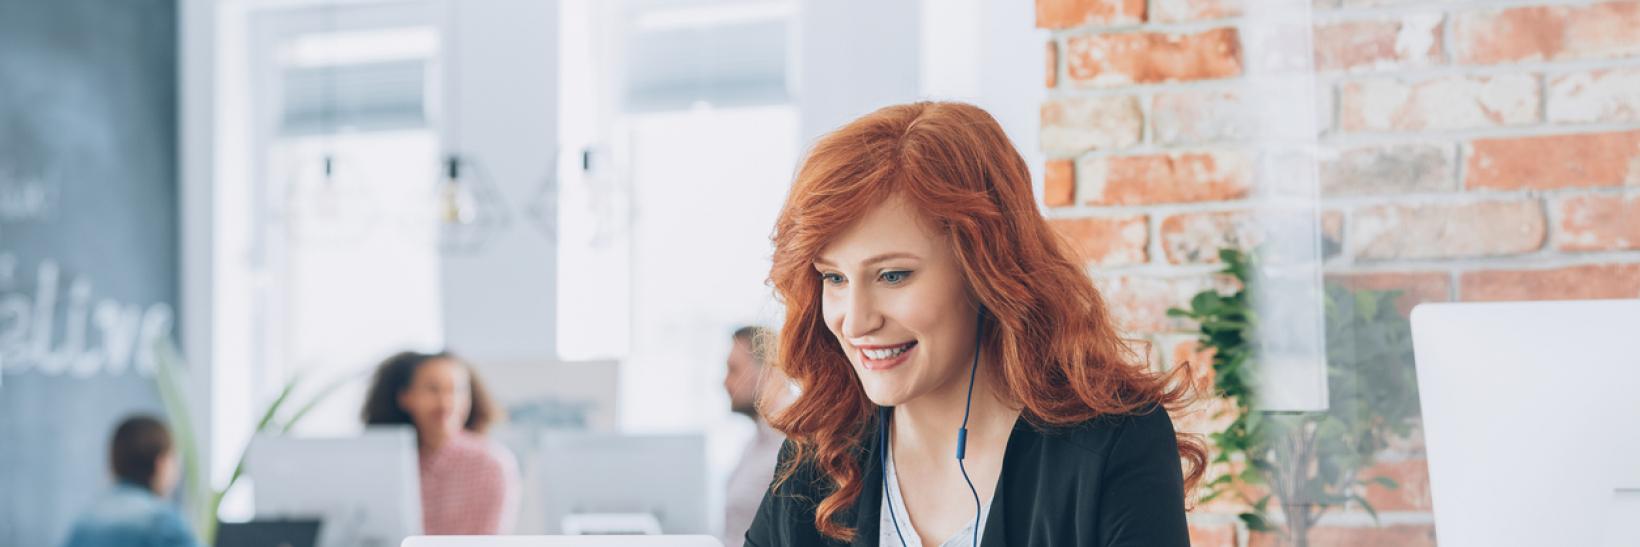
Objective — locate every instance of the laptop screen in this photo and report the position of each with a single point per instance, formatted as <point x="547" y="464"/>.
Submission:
<point x="269" y="533"/>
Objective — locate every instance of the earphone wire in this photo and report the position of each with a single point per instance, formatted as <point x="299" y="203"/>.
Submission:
<point x="962" y="434"/>
<point x="962" y="445"/>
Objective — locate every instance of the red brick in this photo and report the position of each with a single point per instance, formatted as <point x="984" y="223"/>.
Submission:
<point x="1200" y="358"/>
<point x="1177" y="11"/>
<point x="1487" y="228"/>
<point x="1051" y="73"/>
<point x="1453" y="102"/>
<point x="1399" y="535"/>
<point x="1412" y="486"/>
<point x="1598" y="281"/>
<point x="1554" y="161"/>
<point x="1163" y="178"/>
<point x="1222" y="534"/>
<point x="1107" y="241"/>
<point x="1190" y="352"/>
<point x="1079" y="124"/>
<point x="1599" y="223"/>
<point x="1412" y="40"/>
<point x="1208" y="413"/>
<point x="1195" y="238"/>
<point x="1538" y="33"/>
<point x="1201" y="116"/>
<point x="1416" y="287"/>
<point x="1145" y="58"/>
<point x="1598" y="96"/>
<point x="1060" y="14"/>
<point x="1388" y="169"/>
<point x="1059" y="184"/>
<point x="1140" y="303"/>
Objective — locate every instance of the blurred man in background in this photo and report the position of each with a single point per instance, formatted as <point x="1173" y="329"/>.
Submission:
<point x="748" y="381"/>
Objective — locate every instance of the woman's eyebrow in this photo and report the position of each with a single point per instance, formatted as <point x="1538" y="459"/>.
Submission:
<point x="891" y="256"/>
<point x="873" y="260"/>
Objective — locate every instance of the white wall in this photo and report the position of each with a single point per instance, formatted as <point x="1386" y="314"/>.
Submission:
<point x="989" y="54"/>
<point x="500" y="110"/>
<point x="198" y="84"/>
<point x="854" y="56"/>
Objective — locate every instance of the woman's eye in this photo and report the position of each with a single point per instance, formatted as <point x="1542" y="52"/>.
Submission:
<point x="895" y="277"/>
<point x="831" y="278"/>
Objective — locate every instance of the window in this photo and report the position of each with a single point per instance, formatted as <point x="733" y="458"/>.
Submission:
<point x="328" y="256"/>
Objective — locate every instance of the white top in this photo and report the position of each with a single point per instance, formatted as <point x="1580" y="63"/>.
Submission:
<point x="749" y="481"/>
<point x="887" y="536"/>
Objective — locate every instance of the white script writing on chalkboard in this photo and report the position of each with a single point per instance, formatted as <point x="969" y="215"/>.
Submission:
<point x="105" y="337"/>
<point x="26" y="199"/>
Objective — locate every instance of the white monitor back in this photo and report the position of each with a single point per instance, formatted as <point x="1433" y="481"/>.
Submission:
<point x="1531" y="417"/>
<point x="587" y="389"/>
<point x="585" y="473"/>
<point x="365" y="489"/>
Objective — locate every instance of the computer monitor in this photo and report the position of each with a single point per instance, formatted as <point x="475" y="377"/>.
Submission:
<point x="1531" y="417"/>
<point x="268" y="533"/>
<point x="365" y="489"/>
<point x="591" y="481"/>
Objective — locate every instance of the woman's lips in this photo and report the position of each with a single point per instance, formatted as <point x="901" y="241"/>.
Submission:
<point x="880" y="365"/>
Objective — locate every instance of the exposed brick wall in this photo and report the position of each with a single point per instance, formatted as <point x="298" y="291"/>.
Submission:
<point x="1468" y="150"/>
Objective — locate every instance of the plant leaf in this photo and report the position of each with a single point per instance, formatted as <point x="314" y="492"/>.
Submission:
<point x="169" y="379"/>
<point x="1255" y="522"/>
<point x="1366" y="505"/>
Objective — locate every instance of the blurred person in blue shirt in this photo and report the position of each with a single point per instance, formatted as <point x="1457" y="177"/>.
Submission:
<point x="135" y="513"/>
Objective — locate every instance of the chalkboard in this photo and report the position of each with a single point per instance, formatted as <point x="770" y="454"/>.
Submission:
<point x="89" y="256"/>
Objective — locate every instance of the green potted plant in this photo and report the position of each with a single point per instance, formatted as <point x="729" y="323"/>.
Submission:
<point x="1307" y="463"/>
<point x="202" y="500"/>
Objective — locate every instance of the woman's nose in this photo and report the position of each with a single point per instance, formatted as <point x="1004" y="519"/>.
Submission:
<point x="861" y="317"/>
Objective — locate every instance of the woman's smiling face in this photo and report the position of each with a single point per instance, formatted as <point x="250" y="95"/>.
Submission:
<point x="894" y="296"/>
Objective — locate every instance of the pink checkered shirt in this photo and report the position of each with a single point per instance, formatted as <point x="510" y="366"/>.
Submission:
<point x="469" y="486"/>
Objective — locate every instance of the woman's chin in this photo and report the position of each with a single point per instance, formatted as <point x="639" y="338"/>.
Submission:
<point x="887" y="393"/>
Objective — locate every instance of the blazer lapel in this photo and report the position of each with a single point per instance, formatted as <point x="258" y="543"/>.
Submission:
<point x="1022" y="447"/>
<point x="868" y="507"/>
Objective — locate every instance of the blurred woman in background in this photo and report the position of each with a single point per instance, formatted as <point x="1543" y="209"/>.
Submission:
<point x="469" y="484"/>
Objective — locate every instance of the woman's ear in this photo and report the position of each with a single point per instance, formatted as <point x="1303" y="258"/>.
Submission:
<point x="166" y="471"/>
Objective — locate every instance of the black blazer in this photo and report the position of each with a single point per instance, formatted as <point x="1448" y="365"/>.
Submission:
<point x="1111" y="481"/>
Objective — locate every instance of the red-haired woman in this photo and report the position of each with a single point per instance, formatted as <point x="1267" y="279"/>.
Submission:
<point x="924" y="295"/>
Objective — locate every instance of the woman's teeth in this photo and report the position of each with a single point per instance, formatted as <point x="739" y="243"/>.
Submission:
<point x="889" y="353"/>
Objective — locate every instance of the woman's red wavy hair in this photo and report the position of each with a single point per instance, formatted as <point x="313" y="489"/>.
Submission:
<point x="1047" y="331"/>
